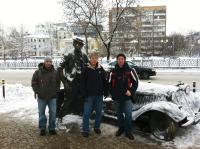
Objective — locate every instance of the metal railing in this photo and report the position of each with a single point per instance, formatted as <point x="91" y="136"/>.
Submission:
<point x="169" y="63"/>
<point x="156" y="63"/>
<point x="23" y="65"/>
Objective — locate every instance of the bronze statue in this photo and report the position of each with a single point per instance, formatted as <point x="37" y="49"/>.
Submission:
<point x="69" y="73"/>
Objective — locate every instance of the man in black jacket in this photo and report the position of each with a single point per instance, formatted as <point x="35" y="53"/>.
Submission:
<point x="93" y="87"/>
<point x="123" y="83"/>
<point x="45" y="84"/>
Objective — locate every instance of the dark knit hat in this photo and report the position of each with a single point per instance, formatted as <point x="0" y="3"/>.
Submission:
<point x="122" y="55"/>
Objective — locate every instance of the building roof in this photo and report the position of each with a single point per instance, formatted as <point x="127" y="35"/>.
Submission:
<point x="41" y="36"/>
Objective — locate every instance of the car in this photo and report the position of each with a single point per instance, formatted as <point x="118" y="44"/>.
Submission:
<point x="160" y="109"/>
<point x="143" y="72"/>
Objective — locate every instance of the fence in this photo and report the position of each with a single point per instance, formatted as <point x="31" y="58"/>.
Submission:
<point x="23" y="65"/>
<point x="169" y="63"/>
<point x="156" y="63"/>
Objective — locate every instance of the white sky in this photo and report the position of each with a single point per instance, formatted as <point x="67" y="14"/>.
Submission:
<point x="28" y="12"/>
<point x="182" y="15"/>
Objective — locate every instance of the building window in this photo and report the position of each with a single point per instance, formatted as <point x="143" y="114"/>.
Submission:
<point x="162" y="17"/>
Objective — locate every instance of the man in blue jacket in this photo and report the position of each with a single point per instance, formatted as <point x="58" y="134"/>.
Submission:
<point x="123" y="83"/>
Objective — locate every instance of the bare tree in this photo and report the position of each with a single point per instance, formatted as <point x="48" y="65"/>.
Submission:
<point x="18" y="41"/>
<point x="73" y="11"/>
<point x="95" y="12"/>
<point x="177" y="43"/>
<point x="52" y="33"/>
<point x="3" y="41"/>
<point x="128" y="34"/>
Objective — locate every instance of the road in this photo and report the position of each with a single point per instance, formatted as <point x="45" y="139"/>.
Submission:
<point x="170" y="78"/>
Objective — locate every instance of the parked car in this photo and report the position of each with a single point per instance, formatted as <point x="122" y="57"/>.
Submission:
<point x="143" y="72"/>
<point x="161" y="109"/>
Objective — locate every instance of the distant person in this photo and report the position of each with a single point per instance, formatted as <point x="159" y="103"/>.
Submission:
<point x="46" y="84"/>
<point x="123" y="83"/>
<point x="93" y="87"/>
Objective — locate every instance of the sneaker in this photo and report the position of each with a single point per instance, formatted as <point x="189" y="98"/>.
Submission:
<point x="85" y="134"/>
<point x="119" y="132"/>
<point x="52" y="132"/>
<point x="42" y="132"/>
<point x="130" y="136"/>
<point x="97" y="130"/>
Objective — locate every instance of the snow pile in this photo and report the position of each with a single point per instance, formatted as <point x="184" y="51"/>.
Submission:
<point x="186" y="137"/>
<point x="74" y="122"/>
<point x="69" y="119"/>
<point x="155" y="88"/>
<point x="17" y="97"/>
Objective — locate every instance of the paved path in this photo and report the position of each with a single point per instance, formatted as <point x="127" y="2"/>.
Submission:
<point x="16" y="133"/>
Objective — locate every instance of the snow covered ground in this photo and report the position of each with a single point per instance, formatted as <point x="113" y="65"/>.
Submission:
<point x="20" y="101"/>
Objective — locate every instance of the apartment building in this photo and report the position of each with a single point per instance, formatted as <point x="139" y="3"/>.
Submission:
<point x="38" y="45"/>
<point x="142" y="30"/>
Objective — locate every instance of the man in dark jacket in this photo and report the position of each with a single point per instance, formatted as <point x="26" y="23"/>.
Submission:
<point x="46" y="84"/>
<point x="70" y="73"/>
<point x="123" y="83"/>
<point x="93" y="87"/>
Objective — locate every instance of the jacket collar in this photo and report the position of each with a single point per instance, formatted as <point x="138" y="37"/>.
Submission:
<point x="97" y="66"/>
<point x="43" y="69"/>
<point x="124" y="68"/>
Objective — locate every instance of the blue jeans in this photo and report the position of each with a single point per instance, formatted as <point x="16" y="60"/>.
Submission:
<point x="124" y="115"/>
<point x="90" y="102"/>
<point x="42" y="103"/>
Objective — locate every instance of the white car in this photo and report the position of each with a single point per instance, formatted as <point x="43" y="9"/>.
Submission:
<point x="161" y="109"/>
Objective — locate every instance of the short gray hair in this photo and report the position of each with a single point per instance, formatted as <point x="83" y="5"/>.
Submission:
<point x="93" y="53"/>
<point x="48" y="58"/>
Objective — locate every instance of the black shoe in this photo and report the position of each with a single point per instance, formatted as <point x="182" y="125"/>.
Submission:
<point x="52" y="132"/>
<point x="119" y="132"/>
<point x="42" y="132"/>
<point x="85" y="134"/>
<point x="97" y="130"/>
<point x="130" y="136"/>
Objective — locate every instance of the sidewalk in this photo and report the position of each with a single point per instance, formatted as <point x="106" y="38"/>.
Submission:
<point x="23" y="134"/>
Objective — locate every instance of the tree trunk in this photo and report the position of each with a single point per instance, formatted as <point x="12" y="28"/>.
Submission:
<point x="108" y="51"/>
<point x="86" y="41"/>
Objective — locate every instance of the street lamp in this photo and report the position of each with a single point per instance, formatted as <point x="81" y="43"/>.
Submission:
<point x="164" y="42"/>
<point x="191" y="49"/>
<point x="4" y="54"/>
<point x="134" y="47"/>
<point x="173" y="44"/>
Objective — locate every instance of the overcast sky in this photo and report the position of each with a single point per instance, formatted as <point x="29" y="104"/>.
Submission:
<point x="182" y="15"/>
